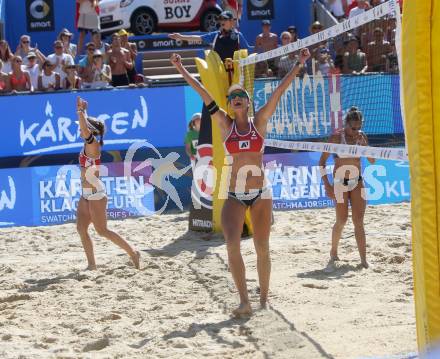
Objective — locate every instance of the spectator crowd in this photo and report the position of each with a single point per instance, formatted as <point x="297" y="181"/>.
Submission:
<point x="97" y="64"/>
<point x="342" y="9"/>
<point x="67" y="67"/>
<point x="369" y="48"/>
<point x="103" y="65"/>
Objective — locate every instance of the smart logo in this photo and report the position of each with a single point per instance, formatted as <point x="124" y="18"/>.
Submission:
<point x="260" y="9"/>
<point x="40" y="15"/>
<point x="39" y="9"/>
<point x="259" y="3"/>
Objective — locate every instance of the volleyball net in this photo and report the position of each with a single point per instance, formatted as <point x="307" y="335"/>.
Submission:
<point x="353" y="63"/>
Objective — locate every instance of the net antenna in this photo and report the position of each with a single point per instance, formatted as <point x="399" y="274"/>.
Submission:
<point x="315" y="104"/>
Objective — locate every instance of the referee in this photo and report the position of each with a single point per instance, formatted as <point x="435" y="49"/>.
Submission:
<point x="224" y="41"/>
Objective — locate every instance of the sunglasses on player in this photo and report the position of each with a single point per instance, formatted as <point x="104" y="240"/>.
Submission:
<point x="240" y="94"/>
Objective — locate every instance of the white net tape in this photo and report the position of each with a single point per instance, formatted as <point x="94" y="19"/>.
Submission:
<point x="386" y="153"/>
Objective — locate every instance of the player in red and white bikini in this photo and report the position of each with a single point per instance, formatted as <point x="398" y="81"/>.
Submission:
<point x="244" y="142"/>
<point x="92" y="205"/>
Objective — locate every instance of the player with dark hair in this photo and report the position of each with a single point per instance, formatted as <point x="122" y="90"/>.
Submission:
<point x="92" y="206"/>
<point x="348" y="186"/>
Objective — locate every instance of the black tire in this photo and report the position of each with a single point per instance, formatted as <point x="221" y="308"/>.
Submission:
<point x="143" y="22"/>
<point x="210" y="21"/>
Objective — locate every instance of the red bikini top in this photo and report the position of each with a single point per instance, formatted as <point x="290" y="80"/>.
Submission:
<point x="250" y="142"/>
<point x="85" y="161"/>
<point x="18" y="81"/>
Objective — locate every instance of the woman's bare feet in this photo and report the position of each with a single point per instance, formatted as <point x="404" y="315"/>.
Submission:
<point x="365" y="264"/>
<point x="91" y="267"/>
<point x="243" y="310"/>
<point x="263" y="303"/>
<point x="136" y="259"/>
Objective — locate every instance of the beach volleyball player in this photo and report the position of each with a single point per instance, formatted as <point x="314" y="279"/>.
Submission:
<point x="92" y="206"/>
<point x="244" y="143"/>
<point x="348" y="186"/>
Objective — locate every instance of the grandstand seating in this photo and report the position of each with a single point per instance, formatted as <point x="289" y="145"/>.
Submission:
<point x="156" y="64"/>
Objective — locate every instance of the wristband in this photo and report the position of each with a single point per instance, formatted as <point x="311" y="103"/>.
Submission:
<point x="90" y="139"/>
<point x="212" y="108"/>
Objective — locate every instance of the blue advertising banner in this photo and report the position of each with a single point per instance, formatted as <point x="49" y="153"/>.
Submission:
<point x="45" y="124"/>
<point x="296" y="181"/>
<point x="313" y="107"/>
<point x="15" y="195"/>
<point x="387" y="181"/>
<point x="49" y="195"/>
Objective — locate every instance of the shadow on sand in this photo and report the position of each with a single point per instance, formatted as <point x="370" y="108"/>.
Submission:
<point x="343" y="271"/>
<point x="200" y="245"/>
<point x="40" y="285"/>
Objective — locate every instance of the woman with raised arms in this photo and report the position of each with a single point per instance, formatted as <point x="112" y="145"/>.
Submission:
<point x="244" y="142"/>
<point x="92" y="206"/>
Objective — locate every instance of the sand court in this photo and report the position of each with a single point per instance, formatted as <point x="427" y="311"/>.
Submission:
<point x="178" y="305"/>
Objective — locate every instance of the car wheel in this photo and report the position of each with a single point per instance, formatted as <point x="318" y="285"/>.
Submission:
<point x="143" y="22"/>
<point x="210" y="21"/>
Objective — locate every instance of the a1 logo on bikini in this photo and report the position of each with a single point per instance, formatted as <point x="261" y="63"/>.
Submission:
<point x="244" y="145"/>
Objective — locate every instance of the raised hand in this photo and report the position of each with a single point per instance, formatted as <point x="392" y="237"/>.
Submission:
<point x="176" y="60"/>
<point x="81" y="104"/>
<point x="304" y="55"/>
<point x="362" y="140"/>
<point x="174" y="36"/>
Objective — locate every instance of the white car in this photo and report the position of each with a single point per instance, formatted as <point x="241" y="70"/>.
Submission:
<point x="146" y="16"/>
